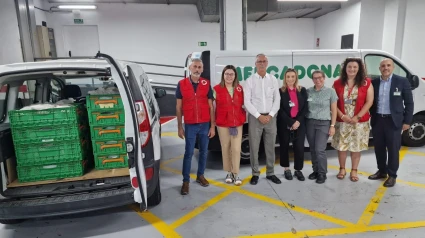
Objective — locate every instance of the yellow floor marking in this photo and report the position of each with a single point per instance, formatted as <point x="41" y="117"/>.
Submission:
<point x="156" y="222"/>
<point x="171" y="134"/>
<point x="172" y="160"/>
<point x="295" y="208"/>
<point x="373" y="205"/>
<point x="342" y="231"/>
<point x="270" y="200"/>
<point x="415" y="153"/>
<point x="200" y="209"/>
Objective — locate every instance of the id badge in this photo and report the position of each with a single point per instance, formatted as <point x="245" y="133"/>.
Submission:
<point x="397" y="93"/>
<point x="291" y="104"/>
<point x="348" y="101"/>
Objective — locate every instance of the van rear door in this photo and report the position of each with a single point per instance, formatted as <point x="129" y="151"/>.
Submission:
<point x="133" y="137"/>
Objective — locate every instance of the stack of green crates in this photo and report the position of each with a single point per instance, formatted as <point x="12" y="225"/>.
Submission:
<point x="51" y="143"/>
<point x="107" y="123"/>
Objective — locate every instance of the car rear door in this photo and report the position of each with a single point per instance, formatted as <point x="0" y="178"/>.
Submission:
<point x="133" y="137"/>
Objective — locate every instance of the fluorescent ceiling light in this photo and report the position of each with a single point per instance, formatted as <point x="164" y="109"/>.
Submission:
<point x="77" y="7"/>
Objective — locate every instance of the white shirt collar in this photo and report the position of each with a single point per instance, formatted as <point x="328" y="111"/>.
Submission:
<point x="265" y="76"/>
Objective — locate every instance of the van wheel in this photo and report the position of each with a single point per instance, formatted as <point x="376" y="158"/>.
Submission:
<point x="10" y="221"/>
<point x="155" y="198"/>
<point x="415" y="135"/>
<point x="245" y="153"/>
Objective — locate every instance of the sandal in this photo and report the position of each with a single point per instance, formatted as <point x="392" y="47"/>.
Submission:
<point x="354" y="178"/>
<point x="341" y="175"/>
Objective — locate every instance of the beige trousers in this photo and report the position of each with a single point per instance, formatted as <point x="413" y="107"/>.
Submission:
<point x="230" y="149"/>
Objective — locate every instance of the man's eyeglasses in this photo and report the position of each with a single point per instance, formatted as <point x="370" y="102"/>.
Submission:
<point x="262" y="61"/>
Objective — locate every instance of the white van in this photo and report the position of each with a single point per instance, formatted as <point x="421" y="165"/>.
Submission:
<point x="44" y="82"/>
<point x="305" y="62"/>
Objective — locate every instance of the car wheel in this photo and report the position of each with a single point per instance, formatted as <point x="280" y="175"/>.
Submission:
<point x="10" y="221"/>
<point x="415" y="135"/>
<point x="245" y="153"/>
<point x="155" y="198"/>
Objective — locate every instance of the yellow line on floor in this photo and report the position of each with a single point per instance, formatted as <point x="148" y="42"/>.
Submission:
<point x="270" y="200"/>
<point x="200" y="209"/>
<point x="172" y="160"/>
<point x="295" y="208"/>
<point x="342" y="231"/>
<point x="170" y="134"/>
<point x="156" y="222"/>
<point x="373" y="205"/>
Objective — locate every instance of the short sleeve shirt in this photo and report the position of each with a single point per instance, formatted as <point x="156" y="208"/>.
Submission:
<point x="319" y="103"/>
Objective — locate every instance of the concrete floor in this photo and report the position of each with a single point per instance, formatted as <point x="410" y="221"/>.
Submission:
<point x="291" y="209"/>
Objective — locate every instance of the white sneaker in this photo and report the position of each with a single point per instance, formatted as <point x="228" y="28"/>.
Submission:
<point x="238" y="181"/>
<point x="229" y="178"/>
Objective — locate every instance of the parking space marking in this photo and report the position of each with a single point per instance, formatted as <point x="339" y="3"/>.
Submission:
<point x="342" y="231"/>
<point x="271" y="200"/>
<point x="373" y="205"/>
<point x="156" y="222"/>
<point x="171" y="160"/>
<point x="198" y="210"/>
<point x="170" y="134"/>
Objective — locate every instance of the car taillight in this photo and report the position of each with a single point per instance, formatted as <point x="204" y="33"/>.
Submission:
<point x="144" y="124"/>
<point x="149" y="173"/>
<point x="134" y="182"/>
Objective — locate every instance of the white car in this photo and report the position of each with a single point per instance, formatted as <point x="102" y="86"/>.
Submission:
<point x="24" y="84"/>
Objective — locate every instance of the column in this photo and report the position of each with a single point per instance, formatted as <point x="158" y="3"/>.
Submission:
<point x="232" y="24"/>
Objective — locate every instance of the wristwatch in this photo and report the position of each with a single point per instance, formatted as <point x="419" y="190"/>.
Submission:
<point x="332" y="125"/>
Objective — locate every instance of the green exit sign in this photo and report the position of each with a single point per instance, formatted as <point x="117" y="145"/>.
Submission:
<point x="202" y="43"/>
<point x="78" y="21"/>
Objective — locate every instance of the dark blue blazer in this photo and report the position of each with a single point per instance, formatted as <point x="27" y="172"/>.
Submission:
<point x="401" y="107"/>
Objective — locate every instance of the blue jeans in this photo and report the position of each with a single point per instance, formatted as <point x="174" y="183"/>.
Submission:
<point x="193" y="131"/>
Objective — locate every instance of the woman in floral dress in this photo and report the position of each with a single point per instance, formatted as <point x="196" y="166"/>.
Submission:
<point x="355" y="97"/>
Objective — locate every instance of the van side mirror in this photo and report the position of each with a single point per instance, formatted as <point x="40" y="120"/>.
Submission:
<point x="414" y="81"/>
<point x="160" y="92"/>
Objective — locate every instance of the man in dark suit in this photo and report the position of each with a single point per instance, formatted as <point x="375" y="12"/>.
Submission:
<point x="392" y="113"/>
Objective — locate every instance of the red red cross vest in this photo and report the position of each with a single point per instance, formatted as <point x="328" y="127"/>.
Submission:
<point x="229" y="111"/>
<point x="195" y="104"/>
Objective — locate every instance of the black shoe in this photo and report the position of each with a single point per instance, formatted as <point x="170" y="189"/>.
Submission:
<point x="274" y="179"/>
<point x="299" y="175"/>
<point x="321" y="178"/>
<point x="377" y="175"/>
<point x="390" y="182"/>
<point x="313" y="176"/>
<point x="254" y="180"/>
<point x="288" y="174"/>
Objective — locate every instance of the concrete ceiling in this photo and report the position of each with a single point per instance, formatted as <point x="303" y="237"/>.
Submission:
<point x="258" y="10"/>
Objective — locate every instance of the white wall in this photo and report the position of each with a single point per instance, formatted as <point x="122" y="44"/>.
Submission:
<point x="413" y="53"/>
<point x="164" y="34"/>
<point x="10" y="45"/>
<point x="330" y="27"/>
<point x="371" y="21"/>
<point x="40" y="15"/>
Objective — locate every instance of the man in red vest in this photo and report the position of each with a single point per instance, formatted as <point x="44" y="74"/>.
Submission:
<point x="195" y="102"/>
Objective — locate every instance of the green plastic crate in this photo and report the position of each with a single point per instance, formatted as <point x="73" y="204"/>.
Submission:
<point x="107" y="132"/>
<point x="109" y="146"/>
<point x="105" y="101"/>
<point x="107" y="118"/>
<point x="111" y="161"/>
<point x="52" y="116"/>
<point x="47" y="133"/>
<point x="52" y="171"/>
<point x="51" y="152"/>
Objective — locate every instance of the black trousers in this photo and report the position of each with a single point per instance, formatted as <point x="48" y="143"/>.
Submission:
<point x="386" y="137"/>
<point x="297" y="138"/>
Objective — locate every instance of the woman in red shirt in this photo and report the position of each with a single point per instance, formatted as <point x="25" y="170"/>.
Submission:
<point x="230" y="117"/>
<point x="355" y="97"/>
<point x="291" y="123"/>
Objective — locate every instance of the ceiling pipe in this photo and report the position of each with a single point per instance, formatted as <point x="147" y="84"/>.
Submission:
<point x="222" y="25"/>
<point x="244" y="20"/>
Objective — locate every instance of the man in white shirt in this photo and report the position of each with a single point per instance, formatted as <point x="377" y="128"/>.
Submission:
<point x="262" y="101"/>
